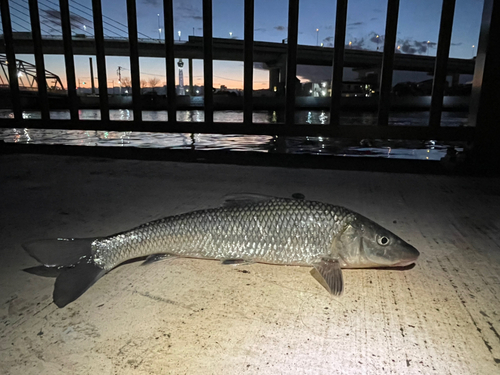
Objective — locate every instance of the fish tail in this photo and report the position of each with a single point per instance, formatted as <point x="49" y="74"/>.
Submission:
<point x="73" y="259"/>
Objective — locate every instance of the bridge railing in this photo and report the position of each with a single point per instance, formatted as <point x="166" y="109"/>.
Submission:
<point x="288" y="126"/>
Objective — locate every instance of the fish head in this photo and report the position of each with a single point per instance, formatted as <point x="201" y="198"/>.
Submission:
<point x="365" y="244"/>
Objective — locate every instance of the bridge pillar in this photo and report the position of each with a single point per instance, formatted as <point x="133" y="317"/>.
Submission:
<point x="274" y="79"/>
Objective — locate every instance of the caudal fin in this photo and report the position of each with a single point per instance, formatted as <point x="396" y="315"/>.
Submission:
<point x="59" y="252"/>
<point x="74" y="281"/>
<point x="71" y="259"/>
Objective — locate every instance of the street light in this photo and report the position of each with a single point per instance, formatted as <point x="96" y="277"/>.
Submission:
<point x="317" y="37"/>
<point x="377" y="36"/>
<point x="179" y="33"/>
<point x="159" y="29"/>
<point x="230" y="34"/>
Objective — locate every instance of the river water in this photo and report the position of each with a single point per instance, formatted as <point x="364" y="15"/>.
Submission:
<point x="423" y="150"/>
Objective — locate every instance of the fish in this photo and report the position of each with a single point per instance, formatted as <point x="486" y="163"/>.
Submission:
<point x="247" y="228"/>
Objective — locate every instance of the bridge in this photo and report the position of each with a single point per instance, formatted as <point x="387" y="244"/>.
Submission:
<point x="273" y="55"/>
<point x="28" y="70"/>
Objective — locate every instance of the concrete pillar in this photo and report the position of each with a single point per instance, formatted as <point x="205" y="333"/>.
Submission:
<point x="274" y="79"/>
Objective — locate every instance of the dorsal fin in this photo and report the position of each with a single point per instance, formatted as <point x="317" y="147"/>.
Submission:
<point x="243" y="199"/>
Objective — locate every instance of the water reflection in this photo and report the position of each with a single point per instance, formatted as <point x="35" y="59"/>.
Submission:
<point x="319" y="117"/>
<point x="431" y="150"/>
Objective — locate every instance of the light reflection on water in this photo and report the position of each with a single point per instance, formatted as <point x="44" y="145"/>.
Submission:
<point x="430" y="150"/>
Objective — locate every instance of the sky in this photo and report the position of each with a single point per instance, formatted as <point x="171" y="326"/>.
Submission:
<point x="418" y="28"/>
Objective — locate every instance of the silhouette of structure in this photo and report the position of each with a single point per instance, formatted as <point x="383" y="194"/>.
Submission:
<point x="28" y="71"/>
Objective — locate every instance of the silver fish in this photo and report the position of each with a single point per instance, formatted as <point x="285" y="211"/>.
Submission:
<point x="246" y="229"/>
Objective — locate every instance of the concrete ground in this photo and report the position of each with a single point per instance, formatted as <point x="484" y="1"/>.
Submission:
<point x="198" y="317"/>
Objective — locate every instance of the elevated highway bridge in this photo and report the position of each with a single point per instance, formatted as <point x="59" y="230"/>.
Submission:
<point x="273" y="55"/>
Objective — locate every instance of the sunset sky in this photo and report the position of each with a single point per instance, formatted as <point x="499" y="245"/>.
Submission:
<point x="418" y="29"/>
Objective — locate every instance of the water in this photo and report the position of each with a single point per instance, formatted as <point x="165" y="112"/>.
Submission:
<point x="423" y="150"/>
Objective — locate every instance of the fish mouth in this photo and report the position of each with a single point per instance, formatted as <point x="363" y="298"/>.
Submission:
<point x="405" y="263"/>
<point x="400" y="267"/>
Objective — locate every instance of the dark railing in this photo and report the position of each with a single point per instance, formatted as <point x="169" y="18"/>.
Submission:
<point x="288" y="128"/>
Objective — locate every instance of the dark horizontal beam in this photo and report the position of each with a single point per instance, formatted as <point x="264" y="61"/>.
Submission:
<point x="343" y="131"/>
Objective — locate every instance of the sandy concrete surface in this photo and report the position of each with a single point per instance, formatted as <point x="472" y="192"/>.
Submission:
<point x="199" y="317"/>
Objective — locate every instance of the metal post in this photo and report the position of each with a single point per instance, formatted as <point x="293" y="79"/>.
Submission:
<point x="191" y="86"/>
<point x="291" y="62"/>
<point x="101" y="60"/>
<point x="388" y="62"/>
<point x="40" y="65"/>
<point x="484" y="108"/>
<point x="168" y="15"/>
<point x="248" y="64"/>
<point x="134" y="60"/>
<point x="69" y="60"/>
<point x="208" y="68"/>
<point x="443" y="50"/>
<point x="91" y="76"/>
<point x="338" y="61"/>
<point x="11" y="59"/>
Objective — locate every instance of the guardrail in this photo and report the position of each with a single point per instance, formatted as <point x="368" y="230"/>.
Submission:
<point x="481" y="114"/>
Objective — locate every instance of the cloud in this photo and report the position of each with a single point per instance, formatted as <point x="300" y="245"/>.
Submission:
<point x="327" y="42"/>
<point x="280" y="28"/>
<point x="377" y="10"/>
<point x="415" y="47"/>
<point x="355" y="23"/>
<point x="54" y="16"/>
<point x="185" y="10"/>
<point x="312" y="73"/>
<point x="376" y="38"/>
<point x="261" y="29"/>
<point x="329" y="27"/>
<point x="151" y="2"/>
<point x="456" y="44"/>
<point x="374" y="19"/>
<point x="356" y="43"/>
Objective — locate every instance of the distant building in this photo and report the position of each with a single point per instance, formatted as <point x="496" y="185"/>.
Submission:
<point x="349" y="89"/>
<point x="181" y="90"/>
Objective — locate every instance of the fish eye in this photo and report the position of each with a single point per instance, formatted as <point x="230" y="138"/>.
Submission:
<point x="383" y="240"/>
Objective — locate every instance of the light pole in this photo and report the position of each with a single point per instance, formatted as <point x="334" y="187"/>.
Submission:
<point x="377" y="41"/>
<point x="230" y="34"/>
<point x="159" y="29"/>
<point x="179" y="33"/>
<point x="317" y="37"/>
<point x="428" y="42"/>
<point x="473" y="50"/>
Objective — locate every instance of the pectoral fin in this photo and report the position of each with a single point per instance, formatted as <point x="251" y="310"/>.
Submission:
<point x="329" y="275"/>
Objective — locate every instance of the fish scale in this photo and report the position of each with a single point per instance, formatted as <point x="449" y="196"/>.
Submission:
<point x="279" y="231"/>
